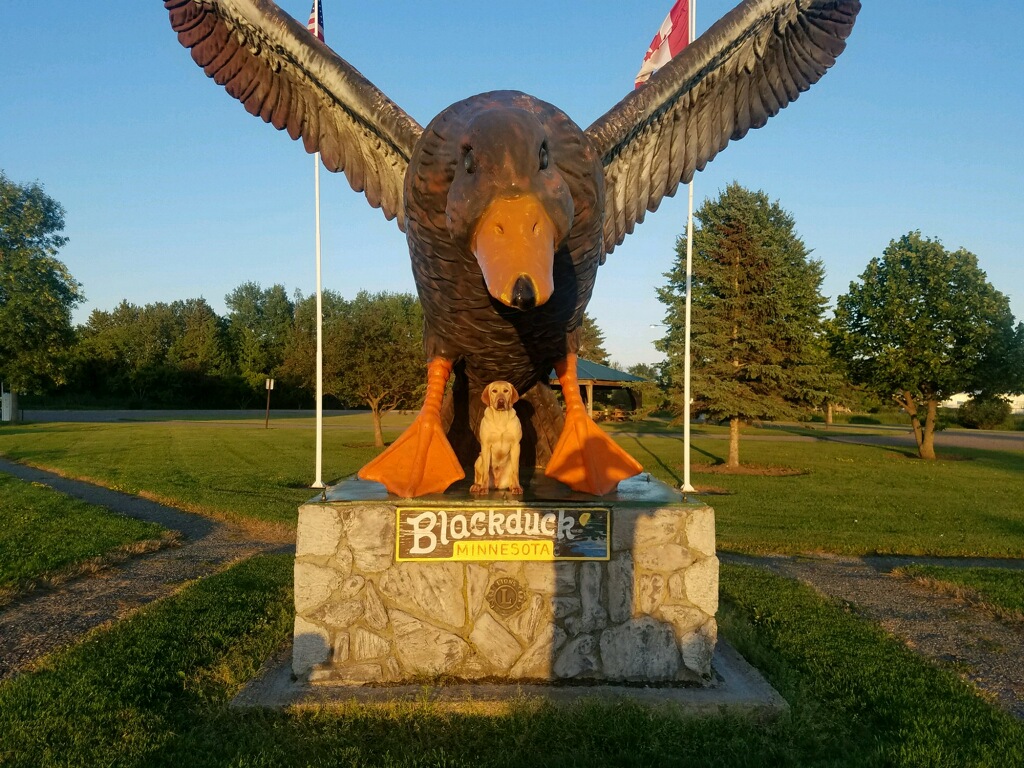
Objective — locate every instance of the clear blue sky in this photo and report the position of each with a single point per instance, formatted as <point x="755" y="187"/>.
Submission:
<point x="173" y="191"/>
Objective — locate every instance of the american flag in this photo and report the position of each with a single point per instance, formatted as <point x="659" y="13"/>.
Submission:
<point x="316" y="21"/>
<point x="672" y="37"/>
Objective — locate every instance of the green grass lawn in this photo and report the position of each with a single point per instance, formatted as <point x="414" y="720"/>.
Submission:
<point x="234" y="469"/>
<point x="153" y="690"/>
<point x="998" y="588"/>
<point x="852" y="499"/>
<point x="45" y="534"/>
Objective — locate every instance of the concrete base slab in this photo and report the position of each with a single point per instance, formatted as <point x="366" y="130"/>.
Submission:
<point x="737" y="687"/>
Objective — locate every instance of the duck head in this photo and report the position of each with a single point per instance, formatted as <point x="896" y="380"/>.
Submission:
<point x="509" y="204"/>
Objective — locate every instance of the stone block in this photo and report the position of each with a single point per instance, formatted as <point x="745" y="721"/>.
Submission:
<point x="620" y="588"/>
<point x="650" y="592"/>
<point x="537" y="661"/>
<point x="341" y="648"/>
<point x="565" y="606"/>
<point x="647" y="614"/>
<point x="524" y="623"/>
<point x="640" y="650"/>
<point x="314" y="584"/>
<point x="311" y="646"/>
<point x="433" y="591"/>
<point x="578" y="658"/>
<point x="371" y="537"/>
<point x="424" y="649"/>
<point x="341" y="615"/>
<point x="359" y="674"/>
<point x="375" y="614"/>
<point x="700" y="531"/>
<point x="557" y="578"/>
<point x="697" y="648"/>
<point x="367" y="645"/>
<point x="320" y="534"/>
<point x="495" y="643"/>
<point x="701" y="581"/>
<point x="666" y="558"/>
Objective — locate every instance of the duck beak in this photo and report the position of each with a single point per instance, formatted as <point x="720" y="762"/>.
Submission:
<point x="514" y="243"/>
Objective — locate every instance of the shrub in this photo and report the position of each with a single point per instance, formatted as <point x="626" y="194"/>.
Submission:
<point x="986" y="413"/>
<point x="859" y="419"/>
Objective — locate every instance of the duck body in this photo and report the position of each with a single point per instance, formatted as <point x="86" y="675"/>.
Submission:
<point x="509" y="208"/>
<point x="490" y="148"/>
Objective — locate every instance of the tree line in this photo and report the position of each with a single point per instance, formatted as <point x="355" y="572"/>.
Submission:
<point x="922" y="323"/>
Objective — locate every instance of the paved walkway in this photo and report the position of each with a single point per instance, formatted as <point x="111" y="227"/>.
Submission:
<point x="989" y="653"/>
<point x="47" y="620"/>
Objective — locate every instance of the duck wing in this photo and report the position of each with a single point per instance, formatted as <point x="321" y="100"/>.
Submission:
<point x="285" y="75"/>
<point x="753" y="62"/>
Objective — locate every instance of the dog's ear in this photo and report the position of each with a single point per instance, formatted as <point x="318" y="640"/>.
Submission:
<point x="515" y="394"/>
<point x="485" y="395"/>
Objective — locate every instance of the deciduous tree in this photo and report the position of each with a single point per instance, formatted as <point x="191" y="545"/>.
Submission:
<point x="37" y="293"/>
<point x="381" y="353"/>
<point x="259" y="323"/>
<point x="373" y="351"/>
<point x="922" y="324"/>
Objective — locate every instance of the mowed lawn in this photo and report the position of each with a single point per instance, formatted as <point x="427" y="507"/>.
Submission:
<point x="45" y="535"/>
<point x="850" y="498"/>
<point x="235" y="469"/>
<point x="154" y="689"/>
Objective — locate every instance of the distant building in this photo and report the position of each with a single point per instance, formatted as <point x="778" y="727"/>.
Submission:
<point x="1016" y="403"/>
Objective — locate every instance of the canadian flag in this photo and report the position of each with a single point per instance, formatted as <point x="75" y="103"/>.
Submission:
<point x="672" y="37"/>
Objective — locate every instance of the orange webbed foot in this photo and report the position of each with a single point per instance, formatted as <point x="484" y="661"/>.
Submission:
<point x="421" y="461"/>
<point x="587" y="460"/>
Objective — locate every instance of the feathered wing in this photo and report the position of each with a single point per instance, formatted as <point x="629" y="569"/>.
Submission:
<point x="753" y="62"/>
<point x="283" y="74"/>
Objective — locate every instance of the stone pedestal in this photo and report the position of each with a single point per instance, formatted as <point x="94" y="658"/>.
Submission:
<point x="646" y="614"/>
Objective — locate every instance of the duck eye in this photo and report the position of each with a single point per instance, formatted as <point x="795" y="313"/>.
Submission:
<point x="543" y="156"/>
<point x="468" y="161"/>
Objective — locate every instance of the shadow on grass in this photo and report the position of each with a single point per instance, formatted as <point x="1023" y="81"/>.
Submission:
<point x="1007" y="461"/>
<point x="154" y="691"/>
<point x="529" y="733"/>
<point x="670" y="471"/>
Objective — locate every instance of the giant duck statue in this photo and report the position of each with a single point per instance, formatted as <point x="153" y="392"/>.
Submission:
<point x="508" y="207"/>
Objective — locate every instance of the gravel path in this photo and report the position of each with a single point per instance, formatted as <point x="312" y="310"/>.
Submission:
<point x="988" y="653"/>
<point x="47" y="620"/>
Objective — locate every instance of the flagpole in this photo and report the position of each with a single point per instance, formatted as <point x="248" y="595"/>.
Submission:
<point x="318" y="482"/>
<point x="692" y="21"/>
<point x="315" y="27"/>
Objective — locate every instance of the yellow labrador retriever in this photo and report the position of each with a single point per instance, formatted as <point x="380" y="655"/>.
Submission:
<point x="500" y="433"/>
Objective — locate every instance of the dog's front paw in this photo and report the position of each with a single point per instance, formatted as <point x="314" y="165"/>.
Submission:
<point x="477" y="488"/>
<point x="516" y="490"/>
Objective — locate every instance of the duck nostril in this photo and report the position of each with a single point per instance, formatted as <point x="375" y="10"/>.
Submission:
<point x="524" y="293"/>
<point x="498" y="229"/>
